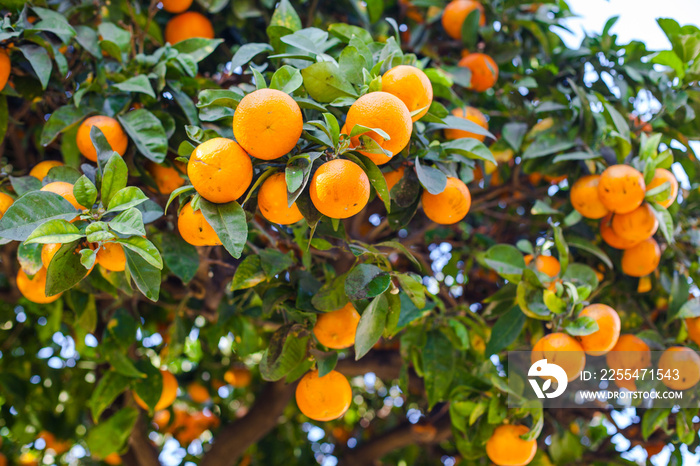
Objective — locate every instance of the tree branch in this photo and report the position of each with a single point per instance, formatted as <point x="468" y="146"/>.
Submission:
<point x="141" y="451"/>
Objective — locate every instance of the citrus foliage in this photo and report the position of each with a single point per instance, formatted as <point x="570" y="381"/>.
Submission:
<point x="237" y="197"/>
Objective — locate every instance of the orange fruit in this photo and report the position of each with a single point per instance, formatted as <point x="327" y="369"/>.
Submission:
<point x="65" y="190"/>
<point x="272" y="201"/>
<point x="631" y="353"/>
<point x="641" y="259"/>
<point x="323" y="398"/>
<point x="113" y="459"/>
<point x="47" y="253"/>
<point x="162" y="419"/>
<point x="58" y="446"/>
<point x="111" y="256"/>
<point x="34" y="289"/>
<point x="188" y="25"/>
<point x="198" y="392"/>
<point x="339" y="189"/>
<point x="506" y="448"/>
<point x="612" y="238"/>
<point x="176" y="6"/>
<point x="693" y="325"/>
<point x="548" y="265"/>
<point x="195" y="229"/>
<point x="5" y="67"/>
<point x="115" y="135"/>
<point x="563" y="350"/>
<point x="472" y="114"/>
<point x="393" y="177"/>
<point x="584" y="197"/>
<point x="238" y="377"/>
<point x="3" y="460"/>
<point x="644" y="284"/>
<point x="683" y="365"/>
<point x="456" y="13"/>
<point x="484" y="71"/>
<point x="5" y="202"/>
<point x="412" y="86"/>
<point x="605" y="338"/>
<point x="450" y="206"/>
<point x="220" y="170"/>
<point x="637" y="225"/>
<point x="621" y="188"/>
<point x="41" y="169"/>
<point x="337" y="329"/>
<point x="661" y="175"/>
<point x="167" y="396"/>
<point x="267" y="124"/>
<point x="384" y="111"/>
<point x="167" y="178"/>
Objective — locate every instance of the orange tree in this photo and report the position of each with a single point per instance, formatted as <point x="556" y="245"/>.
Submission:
<point x="210" y="209"/>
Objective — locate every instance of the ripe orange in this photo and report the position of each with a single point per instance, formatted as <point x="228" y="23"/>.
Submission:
<point x="450" y="206"/>
<point x="612" y="238"/>
<point x="323" y="398"/>
<point x="563" y="350"/>
<point x="176" y="6"/>
<point x="34" y="289"/>
<point x="605" y="338"/>
<point x="548" y="265"/>
<point x="644" y="284"/>
<point x="456" y="13"/>
<point x="412" y="86"/>
<point x="3" y="460"/>
<point x="631" y="353"/>
<point x="41" y="169"/>
<point x="393" y="177"/>
<point x="58" y="446"/>
<point x="693" y="325"/>
<point x="65" y="190"/>
<point x="167" y="178"/>
<point x="506" y="448"/>
<point x="484" y="71"/>
<point x="113" y="459"/>
<point x="47" y="253"/>
<point x="195" y="229"/>
<point x="167" y="396"/>
<point x="337" y="329"/>
<point x="5" y="67"/>
<point x="641" y="259"/>
<point x="198" y="393"/>
<point x="111" y="256"/>
<point x="5" y="202"/>
<point x="339" y="189"/>
<point x="220" y="170"/>
<point x="238" y="377"/>
<point x="637" y="225"/>
<point x="272" y="201"/>
<point x="115" y="135"/>
<point x="621" y="188"/>
<point x="267" y="124"/>
<point x="383" y="111"/>
<point x="188" y="25"/>
<point x="472" y="114"/>
<point x="661" y="175"/>
<point x="687" y="364"/>
<point x="584" y="197"/>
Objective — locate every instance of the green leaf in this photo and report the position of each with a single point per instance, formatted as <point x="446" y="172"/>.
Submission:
<point x="60" y="120"/>
<point x="453" y="122"/>
<point x="143" y="248"/>
<point x="286" y="16"/>
<point x="505" y="331"/>
<point x="179" y="256"/>
<point x="432" y="179"/>
<point x="65" y="270"/>
<point x="469" y="147"/>
<point x="366" y="281"/>
<point x="198" y="48"/>
<point x="54" y="231"/>
<point x="111" y="435"/>
<point x="248" y="274"/>
<point x="111" y="385"/>
<point x="24" y="184"/>
<point x="346" y="32"/>
<point x="85" y="192"/>
<point x="506" y="261"/>
<point x="112" y="33"/>
<point x="147" y="132"/>
<point x="689" y="309"/>
<point x="678" y="299"/>
<point x="514" y="133"/>
<point x="583" y="325"/>
<point x="138" y="84"/>
<point x="562" y="248"/>
<point x="286" y="351"/>
<point x="438" y="366"/>
<point x="39" y="60"/>
<point x="148" y="388"/>
<point x="327" y="364"/>
<point x="230" y="224"/>
<point x="146" y="277"/>
<point x="371" y="325"/>
<point x="662" y="215"/>
<point x="247" y="52"/>
<point x="413" y="287"/>
<point x="585" y="245"/>
<point x="126" y="198"/>
<point x="223" y="97"/>
<point x="286" y="79"/>
<point x="274" y="262"/>
<point x="30" y="211"/>
<point x="542" y="208"/>
<point x="653" y="420"/>
<point x="542" y="147"/>
<point x="324" y="82"/>
<point x="128" y="223"/>
<point x="670" y="59"/>
<point x="331" y="296"/>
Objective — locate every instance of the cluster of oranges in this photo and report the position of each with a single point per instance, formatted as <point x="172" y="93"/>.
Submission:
<point x="616" y="196"/>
